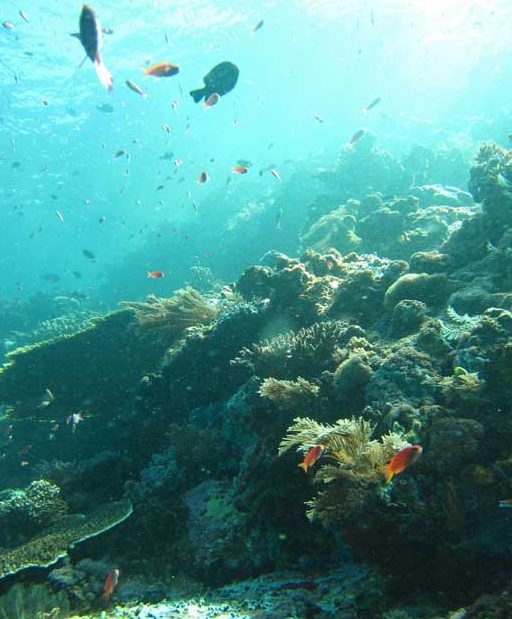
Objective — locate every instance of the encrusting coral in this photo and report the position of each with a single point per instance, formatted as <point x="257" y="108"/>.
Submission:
<point x="172" y="316"/>
<point x="351" y="467"/>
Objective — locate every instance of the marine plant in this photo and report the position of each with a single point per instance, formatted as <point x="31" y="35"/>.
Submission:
<point x="288" y="393"/>
<point x="172" y="316"/>
<point x="351" y="468"/>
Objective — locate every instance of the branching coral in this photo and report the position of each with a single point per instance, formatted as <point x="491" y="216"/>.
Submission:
<point x="306" y="352"/>
<point x="288" y="393"/>
<point x="352" y="464"/>
<point x="172" y="316"/>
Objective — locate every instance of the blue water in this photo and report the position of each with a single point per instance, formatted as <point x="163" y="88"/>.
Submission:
<point x="442" y="70"/>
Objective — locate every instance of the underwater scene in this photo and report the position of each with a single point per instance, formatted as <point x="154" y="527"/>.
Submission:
<point x="256" y="309"/>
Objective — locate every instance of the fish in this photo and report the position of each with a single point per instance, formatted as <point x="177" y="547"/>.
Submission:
<point x="89" y="254"/>
<point x="59" y="215"/>
<point x="8" y="25"/>
<point x="203" y="178"/>
<point x="167" y="156"/>
<point x="110" y="584"/>
<point x="357" y="136"/>
<point x="239" y="169"/>
<point x="318" y="118"/>
<point x="90" y="38"/>
<point x="276" y="175"/>
<point x="402" y="460"/>
<point x="244" y="162"/>
<point x="313" y="455"/>
<point x="119" y="153"/>
<point x="259" y="25"/>
<point x="133" y="86"/>
<point x="371" y="105"/>
<point x="23" y="15"/>
<point x="505" y="504"/>
<point x="278" y="219"/>
<point x="221" y="80"/>
<point x="162" y="69"/>
<point x="73" y="420"/>
<point x="166" y="128"/>
<point x="52" y="278"/>
<point x="106" y="108"/>
<point x="155" y="274"/>
<point x="212" y="100"/>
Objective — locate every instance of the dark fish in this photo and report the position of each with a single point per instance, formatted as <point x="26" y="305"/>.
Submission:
<point x="50" y="277"/>
<point x="77" y="274"/>
<point x="119" y="153"/>
<point x="167" y="156"/>
<point x="244" y="162"/>
<point x="258" y="26"/>
<point x="357" y="136"/>
<point x="90" y="38"/>
<point x="89" y="254"/>
<point x="105" y="107"/>
<point x="367" y="108"/>
<point x="221" y="79"/>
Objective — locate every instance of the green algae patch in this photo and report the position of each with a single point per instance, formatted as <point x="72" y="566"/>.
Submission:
<point x="53" y="544"/>
<point x="100" y="365"/>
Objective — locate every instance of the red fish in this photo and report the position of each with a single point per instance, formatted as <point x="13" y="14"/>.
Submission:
<point x="155" y="274"/>
<point x="202" y="178"/>
<point x="402" y="460"/>
<point x="239" y="169"/>
<point x="313" y="455"/>
<point x="110" y="584"/>
<point x="212" y="100"/>
<point x="162" y="69"/>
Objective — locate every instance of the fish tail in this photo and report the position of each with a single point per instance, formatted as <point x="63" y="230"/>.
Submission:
<point x="198" y="94"/>
<point x="303" y="466"/>
<point x="103" y="73"/>
<point x="388" y="474"/>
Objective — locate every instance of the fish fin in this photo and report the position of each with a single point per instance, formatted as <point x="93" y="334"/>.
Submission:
<point x="303" y="466"/>
<point x="82" y="63"/>
<point x="103" y="73"/>
<point x="76" y="34"/>
<point x="198" y="94"/>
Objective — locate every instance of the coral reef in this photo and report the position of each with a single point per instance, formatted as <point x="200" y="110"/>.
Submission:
<point x="351" y="466"/>
<point x="52" y="544"/>
<point x="33" y="602"/>
<point x="171" y="317"/>
<point x="289" y="393"/>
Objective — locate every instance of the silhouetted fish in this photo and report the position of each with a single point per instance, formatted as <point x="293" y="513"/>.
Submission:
<point x="221" y="79"/>
<point x="90" y="38"/>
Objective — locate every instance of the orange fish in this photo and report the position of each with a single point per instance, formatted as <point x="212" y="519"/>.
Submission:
<point x="313" y="455"/>
<point x="155" y="274"/>
<point x="239" y="169"/>
<point x="402" y="460"/>
<point x="110" y="584"/>
<point x="162" y="69"/>
<point x="202" y="178"/>
<point x="212" y="100"/>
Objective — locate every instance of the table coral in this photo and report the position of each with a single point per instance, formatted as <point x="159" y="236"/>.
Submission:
<point x="48" y="547"/>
